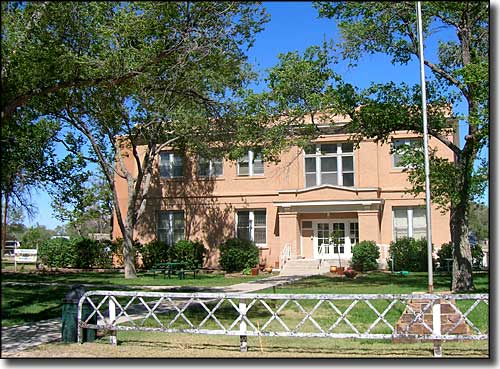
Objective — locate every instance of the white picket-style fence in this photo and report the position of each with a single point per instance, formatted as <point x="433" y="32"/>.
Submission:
<point x="288" y="315"/>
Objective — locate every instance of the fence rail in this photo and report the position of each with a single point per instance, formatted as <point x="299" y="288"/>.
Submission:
<point x="429" y="317"/>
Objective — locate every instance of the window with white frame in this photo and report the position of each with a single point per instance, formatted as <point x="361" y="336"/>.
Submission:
<point x="409" y="222"/>
<point x="210" y="167"/>
<point x="251" y="164"/>
<point x="171" y="165"/>
<point x="251" y="225"/>
<point x="170" y="226"/>
<point x="397" y="156"/>
<point x="354" y="232"/>
<point x="329" y="164"/>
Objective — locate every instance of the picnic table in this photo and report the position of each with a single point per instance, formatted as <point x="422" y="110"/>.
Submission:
<point x="172" y="268"/>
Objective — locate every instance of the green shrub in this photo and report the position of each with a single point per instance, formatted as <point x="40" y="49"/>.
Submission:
<point x="365" y="255"/>
<point x="92" y="254"/>
<point x="446" y="252"/>
<point x="409" y="254"/>
<point x="190" y="253"/>
<point x="236" y="255"/>
<point x="154" y="252"/>
<point x="76" y="253"/>
<point x="57" y="253"/>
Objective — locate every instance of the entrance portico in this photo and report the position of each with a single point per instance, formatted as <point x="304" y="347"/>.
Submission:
<point x="327" y="229"/>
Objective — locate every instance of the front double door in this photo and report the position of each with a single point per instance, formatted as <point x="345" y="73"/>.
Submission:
<point x="334" y="239"/>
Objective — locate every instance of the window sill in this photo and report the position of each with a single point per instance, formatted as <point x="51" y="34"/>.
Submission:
<point x="239" y="177"/>
<point x="206" y="179"/>
<point x="262" y="246"/>
<point x="173" y="179"/>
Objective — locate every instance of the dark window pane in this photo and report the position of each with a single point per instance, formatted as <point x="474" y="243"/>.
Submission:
<point x="347" y="147"/>
<point x="328" y="165"/>
<point x="348" y="179"/>
<point x="260" y="235"/>
<point x="311" y="180"/>
<point x="243" y="168"/>
<point x="347" y="164"/>
<point x="259" y="218"/>
<point x="203" y="168"/>
<point x="329" y="178"/>
<point x="310" y="165"/>
<point x="328" y="148"/>
<point x="217" y="166"/>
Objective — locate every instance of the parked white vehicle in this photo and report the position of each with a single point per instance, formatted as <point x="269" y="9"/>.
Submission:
<point x="10" y="246"/>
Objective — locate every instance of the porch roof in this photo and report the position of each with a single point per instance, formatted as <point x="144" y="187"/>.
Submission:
<point x="330" y="205"/>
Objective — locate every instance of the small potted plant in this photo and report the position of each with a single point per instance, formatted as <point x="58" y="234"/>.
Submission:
<point x="350" y="273"/>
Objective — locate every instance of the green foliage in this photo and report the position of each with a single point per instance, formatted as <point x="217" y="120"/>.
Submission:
<point x="35" y="236"/>
<point x="82" y="253"/>
<point x="190" y="253"/>
<point x="479" y="221"/>
<point x="365" y="255"/>
<point x="57" y="253"/>
<point x="91" y="253"/>
<point x="236" y="255"/>
<point x="154" y="252"/>
<point x="408" y="254"/>
<point x="446" y="252"/>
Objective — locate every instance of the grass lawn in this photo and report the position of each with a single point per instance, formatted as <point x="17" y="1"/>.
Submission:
<point x="377" y="282"/>
<point x="34" y="302"/>
<point x="43" y="302"/>
<point x="150" y="345"/>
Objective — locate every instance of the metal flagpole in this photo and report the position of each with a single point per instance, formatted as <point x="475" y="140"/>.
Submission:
<point x="426" y="151"/>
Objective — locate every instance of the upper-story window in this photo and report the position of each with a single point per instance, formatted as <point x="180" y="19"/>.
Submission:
<point x="409" y="222"/>
<point x="251" y="164"/>
<point x="210" y="167"/>
<point x="330" y="164"/>
<point x="171" y="165"/>
<point x="397" y="156"/>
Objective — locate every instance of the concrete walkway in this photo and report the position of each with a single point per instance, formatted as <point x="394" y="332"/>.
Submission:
<point x="21" y="337"/>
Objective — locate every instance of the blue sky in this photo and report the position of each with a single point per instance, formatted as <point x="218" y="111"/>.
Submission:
<point x="295" y="26"/>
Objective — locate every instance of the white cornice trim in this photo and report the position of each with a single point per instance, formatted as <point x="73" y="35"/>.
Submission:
<point x="350" y="189"/>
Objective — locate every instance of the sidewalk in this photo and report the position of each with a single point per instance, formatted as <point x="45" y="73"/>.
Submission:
<point x="21" y="337"/>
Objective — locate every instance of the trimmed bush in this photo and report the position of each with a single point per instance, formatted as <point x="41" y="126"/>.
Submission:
<point x="446" y="252"/>
<point x="409" y="254"/>
<point x="91" y="254"/>
<point x="57" y="253"/>
<point x="154" y="252"/>
<point x="76" y="253"/>
<point x="236" y="255"/>
<point x="191" y="253"/>
<point x="365" y="255"/>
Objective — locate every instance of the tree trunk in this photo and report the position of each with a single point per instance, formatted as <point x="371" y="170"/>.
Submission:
<point x="459" y="225"/>
<point x="129" y="255"/>
<point x="462" y="257"/>
<point x="4" y="222"/>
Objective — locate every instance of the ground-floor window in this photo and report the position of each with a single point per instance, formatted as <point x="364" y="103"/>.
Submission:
<point x="251" y="225"/>
<point x="170" y="226"/>
<point x="409" y="222"/>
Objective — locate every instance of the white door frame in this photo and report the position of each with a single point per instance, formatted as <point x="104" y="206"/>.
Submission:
<point x="347" y="239"/>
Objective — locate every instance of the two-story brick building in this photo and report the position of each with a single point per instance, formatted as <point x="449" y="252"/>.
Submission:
<point x="290" y="208"/>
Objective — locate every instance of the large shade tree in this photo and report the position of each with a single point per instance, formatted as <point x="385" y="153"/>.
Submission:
<point x="117" y="76"/>
<point x="459" y="71"/>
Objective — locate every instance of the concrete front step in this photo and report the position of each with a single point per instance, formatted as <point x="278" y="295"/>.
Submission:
<point x="302" y="267"/>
